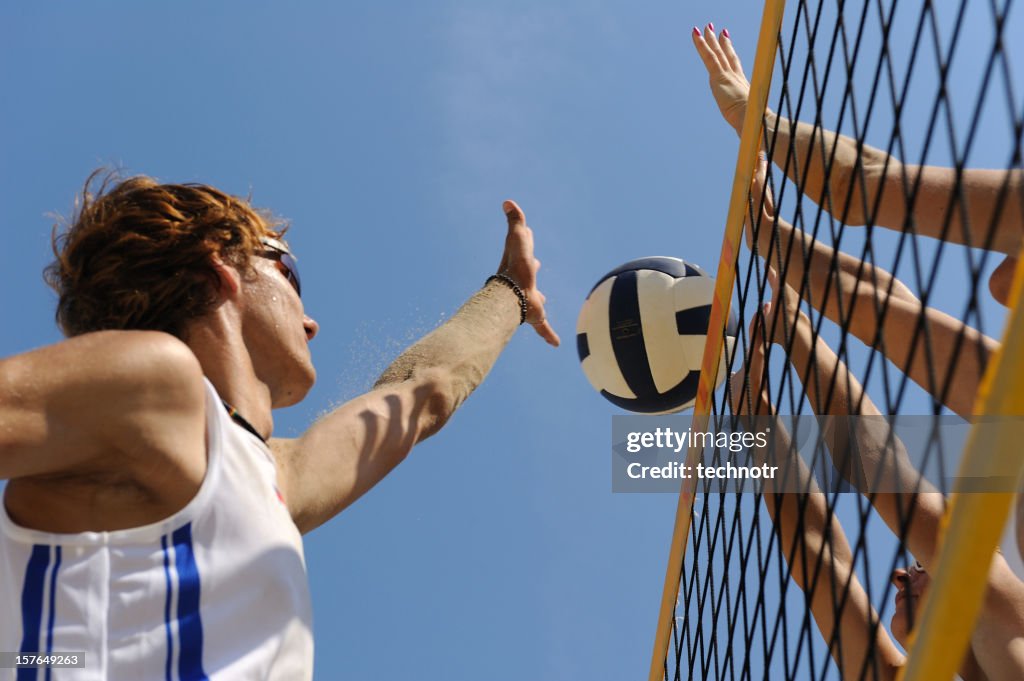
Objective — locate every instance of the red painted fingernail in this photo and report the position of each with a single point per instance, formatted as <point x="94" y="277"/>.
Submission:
<point x="711" y="26"/>
<point x="725" y="32"/>
<point x="696" y="31"/>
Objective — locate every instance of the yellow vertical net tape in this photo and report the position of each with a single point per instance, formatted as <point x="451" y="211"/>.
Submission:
<point x="974" y="522"/>
<point x="750" y="142"/>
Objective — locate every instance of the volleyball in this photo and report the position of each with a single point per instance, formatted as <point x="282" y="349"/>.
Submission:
<point x="641" y="332"/>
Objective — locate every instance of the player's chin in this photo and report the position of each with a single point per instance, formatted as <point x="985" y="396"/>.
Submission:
<point x="306" y="381"/>
<point x="296" y="388"/>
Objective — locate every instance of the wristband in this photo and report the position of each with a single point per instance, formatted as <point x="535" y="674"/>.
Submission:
<point x="511" y="283"/>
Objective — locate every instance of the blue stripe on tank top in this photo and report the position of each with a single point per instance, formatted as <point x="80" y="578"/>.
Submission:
<point x="53" y="606"/>
<point x="190" y="625"/>
<point x="32" y="606"/>
<point x="167" y="609"/>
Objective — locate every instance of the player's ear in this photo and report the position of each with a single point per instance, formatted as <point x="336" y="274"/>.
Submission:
<point x="225" y="280"/>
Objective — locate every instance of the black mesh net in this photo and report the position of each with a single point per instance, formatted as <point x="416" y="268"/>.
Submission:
<point x="889" y="312"/>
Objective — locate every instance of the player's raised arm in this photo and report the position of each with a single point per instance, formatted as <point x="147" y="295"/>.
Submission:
<point x="876" y="455"/>
<point x="849" y="181"/>
<point x="813" y="541"/>
<point x="348" y="451"/>
<point x="858" y="292"/>
<point x="879" y="456"/>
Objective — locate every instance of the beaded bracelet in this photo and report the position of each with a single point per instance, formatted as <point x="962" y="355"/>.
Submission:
<point x="511" y="283"/>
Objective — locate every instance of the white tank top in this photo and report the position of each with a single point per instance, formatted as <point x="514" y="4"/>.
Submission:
<point x="216" y="591"/>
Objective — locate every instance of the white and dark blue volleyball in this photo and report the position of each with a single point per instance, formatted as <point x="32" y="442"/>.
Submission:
<point x="640" y="334"/>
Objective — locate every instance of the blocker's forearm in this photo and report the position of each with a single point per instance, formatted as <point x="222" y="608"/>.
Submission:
<point x="464" y="348"/>
<point x="821" y="563"/>
<point x="811" y="150"/>
<point x="864" y="449"/>
<point x="987" y="205"/>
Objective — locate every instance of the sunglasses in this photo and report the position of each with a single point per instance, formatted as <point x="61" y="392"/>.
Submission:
<point x="286" y="261"/>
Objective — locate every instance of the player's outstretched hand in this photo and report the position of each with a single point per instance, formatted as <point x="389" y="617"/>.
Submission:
<point x="725" y="73"/>
<point x="783" y="315"/>
<point x="760" y="201"/>
<point x="519" y="263"/>
<point x="747" y="390"/>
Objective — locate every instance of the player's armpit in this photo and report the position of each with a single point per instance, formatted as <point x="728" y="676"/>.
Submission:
<point x="348" y="451"/>
<point x="98" y="400"/>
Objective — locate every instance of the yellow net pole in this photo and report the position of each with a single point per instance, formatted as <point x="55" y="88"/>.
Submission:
<point x="750" y="142"/>
<point x="973" y="523"/>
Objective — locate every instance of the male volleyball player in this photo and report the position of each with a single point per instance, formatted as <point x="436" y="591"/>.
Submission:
<point x="150" y="520"/>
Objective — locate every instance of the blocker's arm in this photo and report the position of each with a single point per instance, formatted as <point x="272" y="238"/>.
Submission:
<point x="350" y="450"/>
<point x="997" y="644"/>
<point x="856" y="178"/>
<point x="878" y="458"/>
<point x="821" y="562"/>
<point x="857" y="293"/>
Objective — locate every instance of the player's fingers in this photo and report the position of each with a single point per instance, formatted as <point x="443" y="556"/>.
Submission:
<point x="757" y="334"/>
<point x="706" y="55"/>
<point x="515" y="215"/>
<point x="733" y="59"/>
<point x="762" y="199"/>
<point x="739" y="398"/>
<point x="756" y="189"/>
<point x="519" y="240"/>
<point x="755" y="368"/>
<point x="757" y="183"/>
<point x="520" y="247"/>
<point x="785" y="308"/>
<point x="767" y="200"/>
<point x="761" y="171"/>
<point x="768" y="207"/>
<point x="544" y="330"/>
<point x="712" y="42"/>
<point x="752" y="327"/>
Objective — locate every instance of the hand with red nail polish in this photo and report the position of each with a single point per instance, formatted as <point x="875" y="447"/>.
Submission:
<point x="728" y="83"/>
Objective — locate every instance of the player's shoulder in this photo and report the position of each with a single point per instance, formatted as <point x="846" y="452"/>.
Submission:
<point x="147" y="370"/>
<point x="106" y="376"/>
<point x="151" y="359"/>
<point x="100" y="400"/>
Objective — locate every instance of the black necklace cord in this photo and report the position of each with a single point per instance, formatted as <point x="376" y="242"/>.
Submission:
<point x="242" y="421"/>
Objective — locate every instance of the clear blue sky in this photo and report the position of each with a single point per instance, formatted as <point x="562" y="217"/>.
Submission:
<point x="389" y="133"/>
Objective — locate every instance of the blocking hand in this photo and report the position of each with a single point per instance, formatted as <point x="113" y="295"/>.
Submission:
<point x="519" y="263"/>
<point x="729" y="85"/>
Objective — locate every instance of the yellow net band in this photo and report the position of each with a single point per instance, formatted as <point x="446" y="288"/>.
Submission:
<point x="974" y="523"/>
<point x="750" y="142"/>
